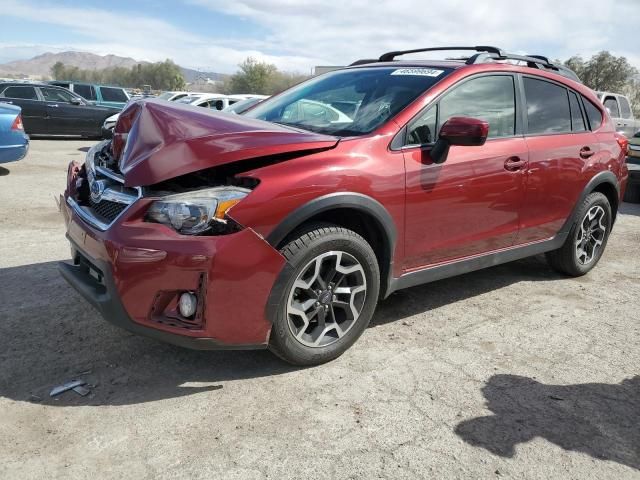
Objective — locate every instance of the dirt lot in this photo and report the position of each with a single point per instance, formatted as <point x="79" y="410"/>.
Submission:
<point x="512" y="372"/>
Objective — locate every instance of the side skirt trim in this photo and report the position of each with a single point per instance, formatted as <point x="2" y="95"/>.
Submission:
<point x="470" y="264"/>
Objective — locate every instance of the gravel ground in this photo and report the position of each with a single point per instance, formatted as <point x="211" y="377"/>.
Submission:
<point x="511" y="372"/>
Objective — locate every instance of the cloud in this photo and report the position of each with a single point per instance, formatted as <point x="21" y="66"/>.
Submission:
<point x="303" y="34"/>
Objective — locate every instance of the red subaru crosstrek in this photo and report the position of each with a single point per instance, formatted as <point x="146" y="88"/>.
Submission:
<point x="283" y="228"/>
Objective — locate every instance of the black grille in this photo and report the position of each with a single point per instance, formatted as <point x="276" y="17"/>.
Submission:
<point x="106" y="210"/>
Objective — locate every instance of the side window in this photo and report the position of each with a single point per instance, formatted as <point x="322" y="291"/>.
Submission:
<point x="547" y="107"/>
<point x="577" y="121"/>
<point x="612" y="104"/>
<point x="593" y="114"/>
<point x="56" y="95"/>
<point x="113" y="94"/>
<point x="85" y="91"/>
<point x="490" y="98"/>
<point x="24" y="93"/>
<point x="625" y="108"/>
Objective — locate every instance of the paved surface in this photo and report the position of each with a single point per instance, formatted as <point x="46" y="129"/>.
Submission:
<point x="513" y="372"/>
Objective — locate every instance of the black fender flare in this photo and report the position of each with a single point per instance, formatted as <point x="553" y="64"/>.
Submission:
<point x="349" y="200"/>
<point x="597" y="180"/>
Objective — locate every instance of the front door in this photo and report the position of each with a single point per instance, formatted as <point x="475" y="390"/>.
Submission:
<point x="471" y="203"/>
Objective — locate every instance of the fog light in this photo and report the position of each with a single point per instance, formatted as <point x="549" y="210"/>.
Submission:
<point x="187" y="304"/>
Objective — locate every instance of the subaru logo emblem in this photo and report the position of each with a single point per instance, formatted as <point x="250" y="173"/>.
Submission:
<point x="97" y="188"/>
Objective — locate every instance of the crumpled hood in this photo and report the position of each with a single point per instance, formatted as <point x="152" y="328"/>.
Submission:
<point x="156" y="140"/>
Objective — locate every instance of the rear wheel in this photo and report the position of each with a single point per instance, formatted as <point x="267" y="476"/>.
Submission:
<point x="328" y="295"/>
<point x="587" y="239"/>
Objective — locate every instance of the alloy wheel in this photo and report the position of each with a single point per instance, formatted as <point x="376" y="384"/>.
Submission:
<point x="326" y="299"/>
<point x="590" y="235"/>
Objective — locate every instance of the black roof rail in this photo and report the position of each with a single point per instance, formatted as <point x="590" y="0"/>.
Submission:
<point x="389" y="56"/>
<point x="363" y="61"/>
<point x="484" y="54"/>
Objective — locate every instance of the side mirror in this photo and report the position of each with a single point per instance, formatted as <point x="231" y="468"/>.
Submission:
<point x="462" y="131"/>
<point x="75" y="101"/>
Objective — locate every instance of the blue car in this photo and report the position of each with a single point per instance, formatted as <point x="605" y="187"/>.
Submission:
<point x="14" y="143"/>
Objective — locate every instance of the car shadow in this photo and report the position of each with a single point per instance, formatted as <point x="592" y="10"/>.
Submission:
<point x="598" y="419"/>
<point x="430" y="296"/>
<point x="4" y="172"/>
<point x="49" y="335"/>
<point x="629" y="209"/>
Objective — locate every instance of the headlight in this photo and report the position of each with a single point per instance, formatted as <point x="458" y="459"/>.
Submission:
<point x="195" y="212"/>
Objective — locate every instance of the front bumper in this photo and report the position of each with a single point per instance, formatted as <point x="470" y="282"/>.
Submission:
<point x="134" y="271"/>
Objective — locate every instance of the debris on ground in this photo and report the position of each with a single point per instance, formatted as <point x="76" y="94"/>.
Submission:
<point x="72" y="385"/>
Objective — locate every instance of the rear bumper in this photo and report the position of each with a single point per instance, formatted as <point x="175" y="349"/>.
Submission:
<point x="13" y="153"/>
<point x="133" y="273"/>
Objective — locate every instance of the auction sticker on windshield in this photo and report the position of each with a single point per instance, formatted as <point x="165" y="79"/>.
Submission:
<point x="422" y="72"/>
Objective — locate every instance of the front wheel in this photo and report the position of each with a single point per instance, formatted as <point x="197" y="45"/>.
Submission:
<point x="328" y="294"/>
<point x="587" y="239"/>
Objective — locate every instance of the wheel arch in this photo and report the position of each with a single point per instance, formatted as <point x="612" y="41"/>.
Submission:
<point x="355" y="211"/>
<point x="604" y="182"/>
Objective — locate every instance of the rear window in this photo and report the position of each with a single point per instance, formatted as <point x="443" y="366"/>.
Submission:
<point x="25" y="93"/>
<point x="547" y="107"/>
<point x="85" y="91"/>
<point x="593" y="114"/>
<point x="113" y="95"/>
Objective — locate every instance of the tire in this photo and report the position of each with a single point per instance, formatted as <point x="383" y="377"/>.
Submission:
<point x="632" y="193"/>
<point x="320" y="315"/>
<point x="586" y="241"/>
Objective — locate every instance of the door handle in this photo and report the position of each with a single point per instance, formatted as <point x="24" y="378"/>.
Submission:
<point x="586" y="152"/>
<point x="7" y="102"/>
<point x="54" y="105"/>
<point x="513" y="164"/>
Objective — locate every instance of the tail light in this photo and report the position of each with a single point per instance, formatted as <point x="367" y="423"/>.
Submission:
<point x="623" y="142"/>
<point x="17" y="124"/>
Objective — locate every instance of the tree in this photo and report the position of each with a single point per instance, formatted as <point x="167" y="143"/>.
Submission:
<point x="260" y="78"/>
<point x="161" y="76"/>
<point x="603" y="71"/>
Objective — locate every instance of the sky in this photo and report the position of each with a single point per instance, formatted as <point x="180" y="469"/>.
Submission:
<point x="216" y="35"/>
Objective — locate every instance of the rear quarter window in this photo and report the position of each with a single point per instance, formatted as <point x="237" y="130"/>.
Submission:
<point x="593" y="114"/>
<point x="113" y="94"/>
<point x="20" y="92"/>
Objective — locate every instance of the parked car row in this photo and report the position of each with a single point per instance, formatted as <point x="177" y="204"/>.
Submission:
<point x="237" y="104"/>
<point x="52" y="110"/>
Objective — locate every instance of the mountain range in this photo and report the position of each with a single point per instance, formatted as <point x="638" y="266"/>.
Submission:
<point x="40" y="65"/>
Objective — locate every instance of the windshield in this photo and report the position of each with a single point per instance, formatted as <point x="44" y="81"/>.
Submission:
<point x="348" y="102"/>
<point x="166" y="95"/>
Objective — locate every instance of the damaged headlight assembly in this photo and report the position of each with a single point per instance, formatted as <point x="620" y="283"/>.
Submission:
<point x="196" y="212"/>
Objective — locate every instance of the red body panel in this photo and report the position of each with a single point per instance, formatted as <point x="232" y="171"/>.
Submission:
<point x="240" y="271"/>
<point x="172" y="140"/>
<point x="472" y="204"/>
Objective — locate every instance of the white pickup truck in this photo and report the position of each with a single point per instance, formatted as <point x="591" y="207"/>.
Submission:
<point x="619" y="108"/>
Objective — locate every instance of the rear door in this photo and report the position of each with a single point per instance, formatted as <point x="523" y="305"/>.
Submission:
<point x="610" y="102"/>
<point x="33" y="109"/>
<point x="560" y="149"/>
<point x="627" y="123"/>
<point x="471" y="203"/>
